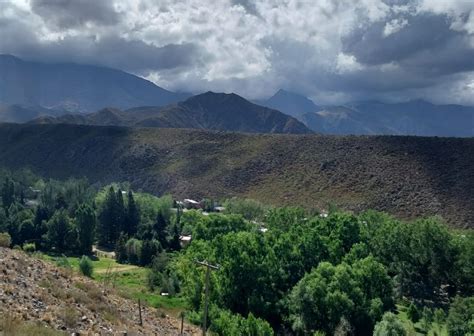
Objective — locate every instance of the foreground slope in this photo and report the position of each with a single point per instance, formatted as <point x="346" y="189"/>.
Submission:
<point x="34" y="291"/>
<point x="406" y="176"/>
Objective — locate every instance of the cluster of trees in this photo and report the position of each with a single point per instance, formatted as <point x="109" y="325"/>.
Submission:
<point x="282" y="270"/>
<point x="70" y="217"/>
<point x="311" y="274"/>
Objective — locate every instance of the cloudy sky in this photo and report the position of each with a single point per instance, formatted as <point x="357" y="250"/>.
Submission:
<point x="333" y="51"/>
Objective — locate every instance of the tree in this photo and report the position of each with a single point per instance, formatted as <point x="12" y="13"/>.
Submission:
<point x="60" y="233"/>
<point x="108" y="218"/>
<point x="8" y="193"/>
<point x="120" y="216"/>
<point x="460" y="320"/>
<point x="133" y="216"/>
<point x="149" y="250"/>
<point x="86" y="223"/>
<point x="413" y="313"/>
<point x="175" y="244"/>
<point x="86" y="267"/>
<point x="358" y="292"/>
<point x="160" y="227"/>
<point x="389" y="326"/>
<point x="121" y="249"/>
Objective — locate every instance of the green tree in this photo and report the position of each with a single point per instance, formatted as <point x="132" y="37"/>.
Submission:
<point x="60" y="233"/>
<point x="86" y="223"/>
<point x="121" y="249"/>
<point x="413" y="313"/>
<point x="86" y="267"/>
<point x="121" y="213"/>
<point x="460" y="320"/>
<point x="8" y="193"/>
<point x="389" y="326"/>
<point x="149" y="249"/>
<point x="108" y="219"/>
<point x="132" y="217"/>
<point x="358" y="292"/>
<point x="160" y="229"/>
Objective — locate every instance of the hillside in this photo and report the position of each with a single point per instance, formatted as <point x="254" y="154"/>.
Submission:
<point x="24" y="113"/>
<point x="406" y="176"/>
<point x="212" y="111"/>
<point x="36" y="293"/>
<point x="75" y="87"/>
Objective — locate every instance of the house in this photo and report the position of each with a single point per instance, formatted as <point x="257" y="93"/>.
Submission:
<point x="185" y="240"/>
<point x="191" y="204"/>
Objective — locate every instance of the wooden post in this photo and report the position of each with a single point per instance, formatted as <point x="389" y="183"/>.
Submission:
<point x="140" y="312"/>
<point x="182" y="323"/>
<point x="209" y="267"/>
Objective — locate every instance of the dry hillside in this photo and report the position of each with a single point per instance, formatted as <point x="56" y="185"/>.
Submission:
<point x="406" y="176"/>
<point x="39" y="298"/>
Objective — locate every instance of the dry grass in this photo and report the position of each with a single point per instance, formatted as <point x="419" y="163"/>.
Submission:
<point x="13" y="326"/>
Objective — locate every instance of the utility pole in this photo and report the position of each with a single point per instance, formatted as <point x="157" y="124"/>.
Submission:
<point x="209" y="267"/>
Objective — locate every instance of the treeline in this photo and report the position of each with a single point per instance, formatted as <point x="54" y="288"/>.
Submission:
<point x="70" y="217"/>
<point x="283" y="271"/>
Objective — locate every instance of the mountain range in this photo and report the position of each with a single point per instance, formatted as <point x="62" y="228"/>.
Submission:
<point x="76" y="87"/>
<point x="213" y="111"/>
<point x="86" y="94"/>
<point x="415" y="117"/>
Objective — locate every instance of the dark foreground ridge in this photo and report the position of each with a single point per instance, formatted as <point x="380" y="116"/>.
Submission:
<point x="406" y="176"/>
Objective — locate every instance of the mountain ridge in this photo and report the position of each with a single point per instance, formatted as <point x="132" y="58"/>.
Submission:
<point x="408" y="177"/>
<point x="76" y="87"/>
<point x="210" y="110"/>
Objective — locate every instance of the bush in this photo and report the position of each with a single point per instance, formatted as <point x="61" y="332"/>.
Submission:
<point x="29" y="247"/>
<point x="5" y="239"/>
<point x="390" y="325"/>
<point x="460" y="320"/>
<point x="86" y="267"/>
<point x="413" y="313"/>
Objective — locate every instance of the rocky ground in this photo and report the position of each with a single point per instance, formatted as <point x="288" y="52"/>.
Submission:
<point x="34" y="290"/>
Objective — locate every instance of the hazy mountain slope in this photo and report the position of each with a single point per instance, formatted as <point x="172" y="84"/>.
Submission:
<point x="213" y="111"/>
<point x="411" y="118"/>
<point x="76" y="87"/>
<point x="290" y="103"/>
<point x="23" y="113"/>
<point x="406" y="176"/>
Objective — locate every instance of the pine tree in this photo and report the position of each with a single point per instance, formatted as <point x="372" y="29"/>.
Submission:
<point x="160" y="229"/>
<point x="121" y="249"/>
<point x="133" y="216"/>
<point x="108" y="230"/>
<point x="120" y="212"/>
<point x="86" y="222"/>
<point x="8" y="193"/>
<point x="175" y="242"/>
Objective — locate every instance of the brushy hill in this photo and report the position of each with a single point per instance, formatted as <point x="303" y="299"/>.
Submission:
<point x="212" y="111"/>
<point x="406" y="176"/>
<point x="36" y="296"/>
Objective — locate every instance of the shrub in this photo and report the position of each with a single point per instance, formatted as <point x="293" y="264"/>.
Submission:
<point x="29" y="247"/>
<point x="390" y="325"/>
<point x="413" y="313"/>
<point x="86" y="267"/>
<point x="5" y="239"/>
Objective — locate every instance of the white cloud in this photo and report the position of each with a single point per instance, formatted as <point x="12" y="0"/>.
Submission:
<point x="394" y="26"/>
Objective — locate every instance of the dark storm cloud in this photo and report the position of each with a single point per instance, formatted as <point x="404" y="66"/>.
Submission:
<point x="74" y="13"/>
<point x="112" y="51"/>
<point x="426" y="44"/>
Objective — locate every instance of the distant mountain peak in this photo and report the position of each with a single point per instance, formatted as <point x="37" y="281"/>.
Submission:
<point x="76" y="87"/>
<point x="291" y="103"/>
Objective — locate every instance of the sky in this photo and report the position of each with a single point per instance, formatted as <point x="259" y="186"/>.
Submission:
<point x="333" y="51"/>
